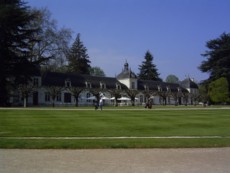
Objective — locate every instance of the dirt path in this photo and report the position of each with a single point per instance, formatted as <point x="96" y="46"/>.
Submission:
<point x="209" y="160"/>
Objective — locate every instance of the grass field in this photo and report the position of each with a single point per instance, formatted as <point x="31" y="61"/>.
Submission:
<point x="161" y="128"/>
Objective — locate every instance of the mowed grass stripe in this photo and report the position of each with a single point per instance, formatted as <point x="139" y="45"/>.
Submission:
<point x="123" y="123"/>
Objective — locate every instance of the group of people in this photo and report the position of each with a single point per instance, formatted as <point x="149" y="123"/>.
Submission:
<point x="100" y="104"/>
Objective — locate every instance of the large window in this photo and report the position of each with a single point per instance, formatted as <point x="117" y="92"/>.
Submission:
<point x="59" y="97"/>
<point x="47" y="96"/>
<point x="67" y="98"/>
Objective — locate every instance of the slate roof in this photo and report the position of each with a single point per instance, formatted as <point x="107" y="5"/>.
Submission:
<point x="126" y="73"/>
<point x="188" y="83"/>
<point x="79" y="80"/>
<point x="153" y="85"/>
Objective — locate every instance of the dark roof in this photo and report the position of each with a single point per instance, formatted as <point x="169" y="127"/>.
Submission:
<point x="79" y="80"/>
<point x="126" y="73"/>
<point x="188" y="83"/>
<point x="153" y="85"/>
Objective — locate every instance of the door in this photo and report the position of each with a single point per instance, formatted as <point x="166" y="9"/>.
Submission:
<point x="35" y="98"/>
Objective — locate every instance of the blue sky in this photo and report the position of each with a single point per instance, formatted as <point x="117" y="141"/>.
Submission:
<point x="116" y="31"/>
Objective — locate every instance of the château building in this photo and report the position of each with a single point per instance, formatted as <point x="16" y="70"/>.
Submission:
<point x="67" y="89"/>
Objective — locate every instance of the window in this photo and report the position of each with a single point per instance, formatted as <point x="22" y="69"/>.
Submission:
<point x="159" y="88"/>
<point x="168" y="89"/>
<point x="141" y="98"/>
<point x="102" y="85"/>
<point x="118" y="86"/>
<point x="67" y="98"/>
<point x="133" y="85"/>
<point x="67" y="83"/>
<point x="88" y="84"/>
<point x="35" y="82"/>
<point x="146" y="88"/>
<point x="47" y="96"/>
<point x="88" y="96"/>
<point x="59" y="97"/>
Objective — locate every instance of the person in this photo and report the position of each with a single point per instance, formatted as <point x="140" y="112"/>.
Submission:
<point x="101" y="104"/>
<point x="95" y="104"/>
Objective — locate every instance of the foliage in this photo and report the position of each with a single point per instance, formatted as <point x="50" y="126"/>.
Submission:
<point x="54" y="91"/>
<point x="218" y="90"/>
<point x="53" y="42"/>
<point x="25" y="90"/>
<point x="148" y="70"/>
<point x="218" y="58"/>
<point x="97" y="71"/>
<point x="172" y="79"/>
<point x="132" y="94"/>
<point x="203" y="93"/>
<point x="75" y="91"/>
<point x="78" y="58"/>
<point x="17" y="35"/>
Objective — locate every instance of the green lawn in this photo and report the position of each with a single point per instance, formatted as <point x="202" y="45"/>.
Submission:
<point x="114" y="123"/>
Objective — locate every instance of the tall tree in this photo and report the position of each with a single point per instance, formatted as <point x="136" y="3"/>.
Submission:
<point x="16" y="36"/>
<point x="218" y="58"/>
<point x="148" y="70"/>
<point x="53" y="42"/>
<point x="78" y="58"/>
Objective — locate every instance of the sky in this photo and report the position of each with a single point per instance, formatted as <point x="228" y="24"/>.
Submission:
<point x="115" y="31"/>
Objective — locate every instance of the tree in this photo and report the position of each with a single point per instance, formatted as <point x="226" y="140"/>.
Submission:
<point x="132" y="94"/>
<point x="75" y="91"/>
<point x="203" y="93"/>
<point x="172" y="79"/>
<point x="16" y="35"/>
<point x="25" y="91"/>
<point x="78" y="58"/>
<point x="54" y="91"/>
<point x="148" y="70"/>
<point x="218" y="58"/>
<point x="218" y="90"/>
<point x="53" y="42"/>
<point x="97" y="71"/>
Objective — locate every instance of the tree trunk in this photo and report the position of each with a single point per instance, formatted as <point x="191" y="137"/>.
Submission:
<point x="25" y="102"/>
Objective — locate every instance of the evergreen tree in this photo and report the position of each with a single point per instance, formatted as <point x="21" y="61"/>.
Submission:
<point x="218" y="58"/>
<point x="148" y="70"/>
<point x="16" y="36"/>
<point x="78" y="58"/>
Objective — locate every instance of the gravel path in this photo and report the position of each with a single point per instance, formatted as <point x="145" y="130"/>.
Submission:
<point x="208" y="160"/>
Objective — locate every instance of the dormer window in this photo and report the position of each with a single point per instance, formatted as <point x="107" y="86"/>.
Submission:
<point x="118" y="86"/>
<point x="88" y="84"/>
<point x="168" y="88"/>
<point x="146" y="88"/>
<point x="102" y="85"/>
<point x="67" y="83"/>
<point x="35" y="82"/>
<point x="159" y="88"/>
